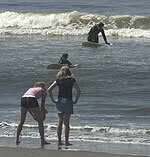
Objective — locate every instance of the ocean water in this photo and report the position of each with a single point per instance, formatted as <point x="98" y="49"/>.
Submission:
<point x="113" y="112"/>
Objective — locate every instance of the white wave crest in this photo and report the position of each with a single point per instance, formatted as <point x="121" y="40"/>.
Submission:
<point x="130" y="33"/>
<point x="72" y="23"/>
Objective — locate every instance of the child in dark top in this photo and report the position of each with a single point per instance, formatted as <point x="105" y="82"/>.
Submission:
<point x="64" y="60"/>
<point x="64" y="104"/>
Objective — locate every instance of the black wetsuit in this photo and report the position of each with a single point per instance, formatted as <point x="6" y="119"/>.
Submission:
<point x="64" y="61"/>
<point x="93" y="34"/>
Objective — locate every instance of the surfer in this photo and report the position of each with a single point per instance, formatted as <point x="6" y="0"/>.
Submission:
<point x="94" y="31"/>
<point x="64" y="60"/>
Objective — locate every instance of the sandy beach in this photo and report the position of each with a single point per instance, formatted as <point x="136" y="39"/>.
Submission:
<point x="25" y="152"/>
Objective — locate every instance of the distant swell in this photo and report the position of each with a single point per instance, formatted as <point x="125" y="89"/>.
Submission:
<point x="72" y="23"/>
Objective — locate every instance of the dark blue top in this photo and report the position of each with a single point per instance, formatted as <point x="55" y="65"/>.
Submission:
<point x="65" y="87"/>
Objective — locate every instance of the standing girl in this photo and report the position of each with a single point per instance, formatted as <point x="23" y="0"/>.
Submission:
<point x="64" y="104"/>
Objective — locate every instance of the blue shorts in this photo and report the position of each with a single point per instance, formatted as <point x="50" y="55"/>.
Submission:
<point x="64" y="105"/>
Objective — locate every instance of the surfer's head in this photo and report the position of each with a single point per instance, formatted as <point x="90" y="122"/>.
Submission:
<point x="101" y="25"/>
<point x="65" y="55"/>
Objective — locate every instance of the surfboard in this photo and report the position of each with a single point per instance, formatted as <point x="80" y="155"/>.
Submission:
<point x="58" y="66"/>
<point x="91" y="44"/>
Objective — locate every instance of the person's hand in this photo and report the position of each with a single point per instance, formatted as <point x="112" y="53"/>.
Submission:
<point x="55" y="101"/>
<point x="44" y="110"/>
<point x="74" y="102"/>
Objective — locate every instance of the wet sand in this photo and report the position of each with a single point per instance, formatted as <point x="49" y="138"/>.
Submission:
<point x="41" y="152"/>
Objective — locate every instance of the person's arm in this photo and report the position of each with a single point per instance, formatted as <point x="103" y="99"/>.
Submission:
<point x="60" y="61"/>
<point x="68" y="63"/>
<point x="50" y="89"/>
<point x="104" y="36"/>
<point x="77" y="88"/>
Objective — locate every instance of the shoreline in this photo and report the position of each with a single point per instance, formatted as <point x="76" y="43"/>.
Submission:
<point x="34" y="152"/>
<point x="121" y="150"/>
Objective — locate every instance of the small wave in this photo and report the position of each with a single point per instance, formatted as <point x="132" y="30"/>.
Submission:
<point x="82" y="133"/>
<point x="72" y="23"/>
<point x="91" y="128"/>
<point x="142" y="110"/>
<point x="94" y="129"/>
<point x="84" y="130"/>
<point x="7" y="125"/>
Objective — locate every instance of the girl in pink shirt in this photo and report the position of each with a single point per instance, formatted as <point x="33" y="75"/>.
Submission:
<point x="29" y="102"/>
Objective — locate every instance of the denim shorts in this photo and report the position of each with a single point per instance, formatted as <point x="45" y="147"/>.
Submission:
<point x="64" y="105"/>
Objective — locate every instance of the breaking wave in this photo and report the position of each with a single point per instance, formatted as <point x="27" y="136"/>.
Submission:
<point x="72" y="23"/>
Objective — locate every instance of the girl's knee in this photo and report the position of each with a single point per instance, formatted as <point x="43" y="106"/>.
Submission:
<point x="66" y="123"/>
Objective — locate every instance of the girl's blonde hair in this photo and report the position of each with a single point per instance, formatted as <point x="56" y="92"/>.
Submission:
<point x="64" y="72"/>
<point x="40" y="84"/>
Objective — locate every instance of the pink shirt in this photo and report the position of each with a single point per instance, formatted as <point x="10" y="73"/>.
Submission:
<point x="36" y="92"/>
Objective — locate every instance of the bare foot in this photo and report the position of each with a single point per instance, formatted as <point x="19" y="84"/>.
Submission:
<point x="60" y="143"/>
<point x="17" y="142"/>
<point x="44" y="143"/>
<point x="68" y="144"/>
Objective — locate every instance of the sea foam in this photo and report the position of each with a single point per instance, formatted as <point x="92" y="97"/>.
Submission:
<point x="72" y="23"/>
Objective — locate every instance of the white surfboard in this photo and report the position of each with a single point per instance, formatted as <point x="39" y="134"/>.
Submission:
<point x="58" y="66"/>
<point x="91" y="44"/>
